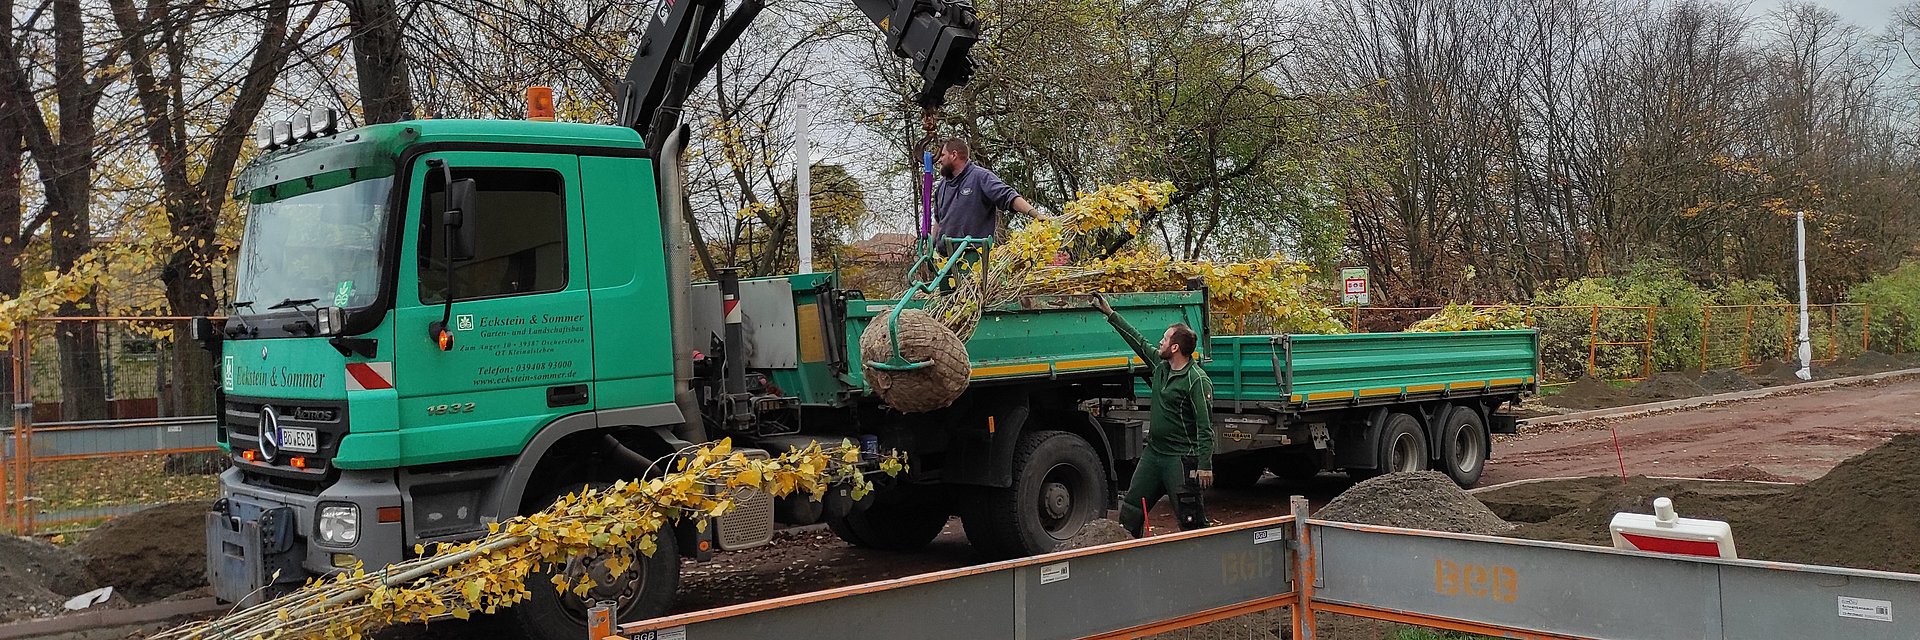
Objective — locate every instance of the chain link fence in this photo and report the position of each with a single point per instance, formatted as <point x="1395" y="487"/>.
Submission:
<point x="110" y="415"/>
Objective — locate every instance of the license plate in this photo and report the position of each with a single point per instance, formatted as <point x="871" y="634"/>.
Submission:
<point x="299" y="440"/>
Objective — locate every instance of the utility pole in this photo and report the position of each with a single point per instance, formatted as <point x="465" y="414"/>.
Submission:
<point x="1806" y="343"/>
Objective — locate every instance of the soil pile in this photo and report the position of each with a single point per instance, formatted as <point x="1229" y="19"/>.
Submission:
<point x="150" y="554"/>
<point x="1578" y="510"/>
<point x="1419" y="500"/>
<point x="36" y="578"/>
<point x="1868" y="362"/>
<point x="1864" y="513"/>
<point x="1096" y="533"/>
<point x="1858" y="515"/>
<point x="1746" y="473"/>
<point x="1586" y="393"/>
<point x="1780" y="373"/>
<point x="1725" y="381"/>
<point x="1667" y="386"/>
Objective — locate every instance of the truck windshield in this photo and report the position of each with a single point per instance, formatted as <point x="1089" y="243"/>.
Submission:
<point x="322" y="246"/>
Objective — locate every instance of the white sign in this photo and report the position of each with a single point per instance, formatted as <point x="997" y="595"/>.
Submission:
<point x="1052" y="573"/>
<point x="669" y="633"/>
<point x="1264" y="536"/>
<point x="1864" y="609"/>
<point x="1354" y="285"/>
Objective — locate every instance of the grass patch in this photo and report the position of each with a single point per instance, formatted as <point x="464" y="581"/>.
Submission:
<point x="1423" y="633"/>
<point x="67" y="485"/>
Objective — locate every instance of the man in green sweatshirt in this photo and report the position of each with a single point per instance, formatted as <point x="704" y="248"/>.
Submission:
<point x="1179" y="457"/>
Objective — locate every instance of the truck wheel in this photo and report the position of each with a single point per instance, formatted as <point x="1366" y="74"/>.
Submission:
<point x="1402" y="448"/>
<point x="645" y="591"/>
<point x="1059" y="486"/>
<point x="1238" y="473"/>
<point x="901" y="526"/>
<point x="1464" y="446"/>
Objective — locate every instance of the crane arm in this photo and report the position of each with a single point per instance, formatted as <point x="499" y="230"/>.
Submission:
<point x="686" y="38"/>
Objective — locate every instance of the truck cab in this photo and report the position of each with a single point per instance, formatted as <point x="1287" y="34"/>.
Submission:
<point x="378" y="395"/>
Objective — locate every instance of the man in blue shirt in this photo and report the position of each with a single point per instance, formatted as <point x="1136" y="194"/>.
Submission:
<point x="967" y="204"/>
<point x="969" y="198"/>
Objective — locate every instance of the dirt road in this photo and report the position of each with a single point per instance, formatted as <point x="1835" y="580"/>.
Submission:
<point x="1797" y="436"/>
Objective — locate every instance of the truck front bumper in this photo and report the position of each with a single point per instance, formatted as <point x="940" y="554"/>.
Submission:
<point x="262" y="542"/>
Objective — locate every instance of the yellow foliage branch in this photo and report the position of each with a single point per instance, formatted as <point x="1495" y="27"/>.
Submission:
<point x="1274" y="292"/>
<point x="484" y="575"/>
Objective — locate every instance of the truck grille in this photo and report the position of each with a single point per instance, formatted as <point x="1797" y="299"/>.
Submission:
<point x="328" y="420"/>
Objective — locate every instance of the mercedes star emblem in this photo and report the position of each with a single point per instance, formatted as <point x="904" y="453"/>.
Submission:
<point x="269" y="432"/>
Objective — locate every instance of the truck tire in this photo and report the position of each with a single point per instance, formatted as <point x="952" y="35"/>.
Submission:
<point x="901" y="526"/>
<point x="1059" y="486"/>
<point x="645" y="591"/>
<point x="1402" y="448"/>
<point x="1464" y="446"/>
<point x="1239" y="473"/>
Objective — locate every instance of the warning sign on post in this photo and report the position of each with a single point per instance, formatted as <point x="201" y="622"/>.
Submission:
<point x="1355" y="287"/>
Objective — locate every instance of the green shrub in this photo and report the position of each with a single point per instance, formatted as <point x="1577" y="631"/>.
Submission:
<point x="1895" y="297"/>
<point x="1565" y="331"/>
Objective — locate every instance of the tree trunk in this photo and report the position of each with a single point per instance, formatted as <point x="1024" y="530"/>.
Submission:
<point x="190" y="292"/>
<point x="380" y="61"/>
<point x="83" y="389"/>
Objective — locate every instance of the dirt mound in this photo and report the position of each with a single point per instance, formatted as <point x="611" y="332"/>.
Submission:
<point x="1586" y="393"/>
<point x="1667" y="386"/>
<point x="1848" y="516"/>
<point x="36" y="577"/>
<point x="1096" y="533"/>
<point x="1780" y="373"/>
<point x="150" y="554"/>
<point x="1420" y="500"/>
<point x="1745" y="472"/>
<point x="1868" y="362"/>
<point x="1844" y="518"/>
<point x="1725" y="381"/>
<point x="1578" y="510"/>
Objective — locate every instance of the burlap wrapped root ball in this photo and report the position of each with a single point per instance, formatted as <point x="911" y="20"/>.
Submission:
<point x="922" y="339"/>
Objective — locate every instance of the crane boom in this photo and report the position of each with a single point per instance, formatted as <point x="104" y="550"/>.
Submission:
<point x="682" y="44"/>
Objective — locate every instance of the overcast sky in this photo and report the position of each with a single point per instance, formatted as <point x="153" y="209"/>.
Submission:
<point x="1870" y="15"/>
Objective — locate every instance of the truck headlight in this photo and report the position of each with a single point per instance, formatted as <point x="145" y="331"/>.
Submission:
<point x="339" y="524"/>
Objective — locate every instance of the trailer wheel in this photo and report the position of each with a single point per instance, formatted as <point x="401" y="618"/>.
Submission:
<point x="1059" y="486"/>
<point x="1402" y="448"/>
<point x="1464" y="446"/>
<point x="900" y="526"/>
<point x="645" y="591"/>
<point x="1238" y="473"/>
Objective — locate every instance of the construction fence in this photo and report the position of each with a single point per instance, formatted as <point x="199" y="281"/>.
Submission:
<point x="110" y="415"/>
<point x="1633" y="343"/>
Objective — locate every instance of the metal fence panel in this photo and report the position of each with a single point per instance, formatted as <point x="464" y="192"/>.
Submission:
<point x="1791" y="602"/>
<point x="1556" y="590"/>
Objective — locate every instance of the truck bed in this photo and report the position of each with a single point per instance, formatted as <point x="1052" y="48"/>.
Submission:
<point x="1048" y="337"/>
<point x="1307" y="372"/>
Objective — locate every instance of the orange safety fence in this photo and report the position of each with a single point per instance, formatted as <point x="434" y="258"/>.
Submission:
<point x="116" y="386"/>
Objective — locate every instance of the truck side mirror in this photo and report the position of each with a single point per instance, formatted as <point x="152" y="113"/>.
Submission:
<point x="200" y="329"/>
<point x="459" y="220"/>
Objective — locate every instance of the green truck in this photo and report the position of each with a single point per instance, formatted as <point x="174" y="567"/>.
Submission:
<point x="369" y="411"/>
<point x="441" y="324"/>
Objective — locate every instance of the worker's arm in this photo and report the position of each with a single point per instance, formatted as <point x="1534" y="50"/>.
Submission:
<point x="1140" y="346"/>
<point x="1201" y="397"/>
<point x="1003" y="196"/>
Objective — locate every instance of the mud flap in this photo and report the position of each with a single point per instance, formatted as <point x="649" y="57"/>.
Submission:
<point x="253" y="552"/>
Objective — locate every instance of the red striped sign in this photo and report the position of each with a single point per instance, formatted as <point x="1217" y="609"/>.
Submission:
<point x="369" y="376"/>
